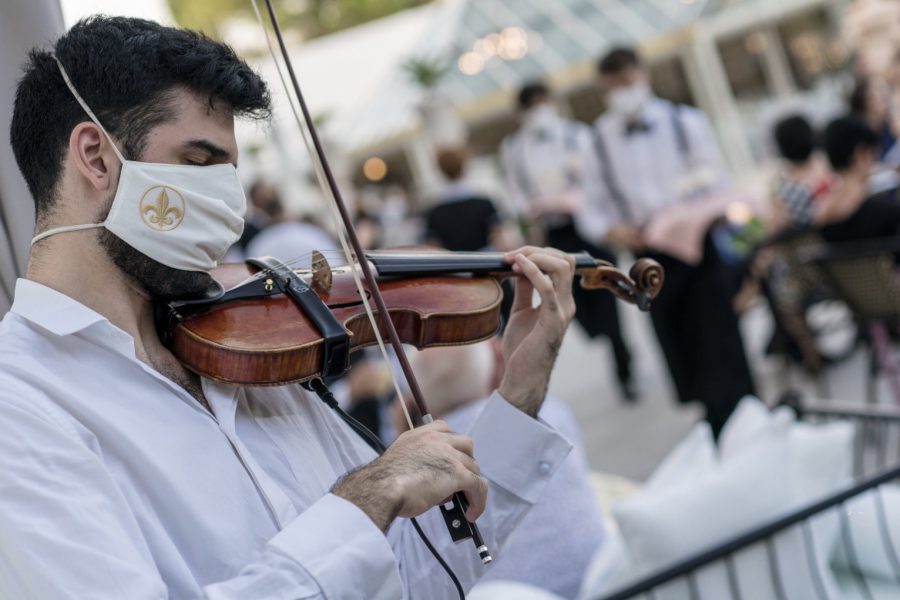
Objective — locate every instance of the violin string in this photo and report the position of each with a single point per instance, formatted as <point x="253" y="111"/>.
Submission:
<point x="323" y="183"/>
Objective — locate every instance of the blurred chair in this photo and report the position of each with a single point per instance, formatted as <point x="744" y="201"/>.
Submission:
<point x="864" y="275"/>
<point x="799" y="297"/>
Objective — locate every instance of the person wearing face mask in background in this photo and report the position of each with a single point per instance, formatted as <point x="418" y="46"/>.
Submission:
<point x="550" y="168"/>
<point x="654" y="154"/>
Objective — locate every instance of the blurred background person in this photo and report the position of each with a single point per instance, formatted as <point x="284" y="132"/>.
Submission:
<point x="463" y="219"/>
<point x="260" y="195"/>
<point x="853" y="148"/>
<point x="554" y="543"/>
<point x="654" y="154"/>
<point x="803" y="177"/>
<point x="550" y="169"/>
<point x="289" y="240"/>
<point x="870" y="100"/>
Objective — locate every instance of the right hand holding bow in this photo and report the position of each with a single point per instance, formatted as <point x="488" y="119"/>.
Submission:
<point x="421" y="469"/>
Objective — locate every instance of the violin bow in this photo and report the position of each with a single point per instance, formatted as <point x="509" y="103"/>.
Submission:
<point x="460" y="528"/>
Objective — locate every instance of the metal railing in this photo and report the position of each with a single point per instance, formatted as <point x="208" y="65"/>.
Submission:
<point x="876" y="463"/>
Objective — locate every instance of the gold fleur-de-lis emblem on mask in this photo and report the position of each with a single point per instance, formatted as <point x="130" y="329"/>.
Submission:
<point x="162" y="208"/>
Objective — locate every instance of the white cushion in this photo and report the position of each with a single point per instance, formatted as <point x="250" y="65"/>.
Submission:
<point x="508" y="590"/>
<point x="670" y="524"/>
<point x="750" y="423"/>
<point x="769" y="466"/>
<point x="691" y="459"/>
<point x="610" y="566"/>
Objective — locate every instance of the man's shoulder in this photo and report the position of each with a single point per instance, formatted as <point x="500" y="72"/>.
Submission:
<point x="26" y="353"/>
<point x="687" y="113"/>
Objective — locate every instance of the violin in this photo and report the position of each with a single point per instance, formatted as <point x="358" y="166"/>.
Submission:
<point x="276" y="325"/>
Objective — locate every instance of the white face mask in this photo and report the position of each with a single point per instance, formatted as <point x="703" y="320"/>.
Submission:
<point x="629" y="101"/>
<point x="183" y="216"/>
<point x="540" y="117"/>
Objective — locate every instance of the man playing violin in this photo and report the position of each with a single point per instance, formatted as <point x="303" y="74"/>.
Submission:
<point x="123" y="474"/>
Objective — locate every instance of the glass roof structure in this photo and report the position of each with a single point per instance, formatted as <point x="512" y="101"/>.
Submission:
<point x="497" y="45"/>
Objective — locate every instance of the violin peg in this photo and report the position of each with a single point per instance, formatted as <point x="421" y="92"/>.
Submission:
<point x="321" y="273"/>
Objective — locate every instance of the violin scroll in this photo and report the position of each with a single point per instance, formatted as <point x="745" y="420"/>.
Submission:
<point x="648" y="276"/>
<point x="644" y="284"/>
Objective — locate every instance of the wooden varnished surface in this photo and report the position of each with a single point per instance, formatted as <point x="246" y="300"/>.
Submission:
<point x="269" y="340"/>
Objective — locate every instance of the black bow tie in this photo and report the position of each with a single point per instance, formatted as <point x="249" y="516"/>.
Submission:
<point x="636" y="127"/>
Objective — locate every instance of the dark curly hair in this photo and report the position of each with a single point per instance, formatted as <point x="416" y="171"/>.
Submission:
<point x="843" y="136"/>
<point x="125" y="69"/>
<point x="795" y="138"/>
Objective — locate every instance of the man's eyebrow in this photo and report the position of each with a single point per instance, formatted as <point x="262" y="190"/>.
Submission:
<point x="214" y="151"/>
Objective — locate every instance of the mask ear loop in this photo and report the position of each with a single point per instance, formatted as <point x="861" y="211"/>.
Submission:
<point x="87" y="109"/>
<point x="96" y="121"/>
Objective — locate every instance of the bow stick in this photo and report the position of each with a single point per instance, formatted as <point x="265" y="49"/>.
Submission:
<point x="459" y="526"/>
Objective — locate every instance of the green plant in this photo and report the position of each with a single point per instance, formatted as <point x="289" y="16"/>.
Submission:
<point x="427" y="72"/>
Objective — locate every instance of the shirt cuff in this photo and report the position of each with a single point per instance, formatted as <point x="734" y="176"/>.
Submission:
<point x="332" y="534"/>
<point x="515" y="451"/>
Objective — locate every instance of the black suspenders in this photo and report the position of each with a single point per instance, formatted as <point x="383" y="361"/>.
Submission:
<point x="612" y="183"/>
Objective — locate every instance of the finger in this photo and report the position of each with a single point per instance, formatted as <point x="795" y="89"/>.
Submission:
<point x="438" y="425"/>
<point x="529" y="250"/>
<point x="461" y="443"/>
<point x="510" y="256"/>
<point x="468" y="462"/>
<point x="540" y="280"/>
<point x="523" y="299"/>
<point x="475" y="489"/>
<point x="561" y="273"/>
<point x="559" y="269"/>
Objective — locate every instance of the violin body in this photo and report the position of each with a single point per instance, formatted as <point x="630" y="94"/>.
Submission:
<point x="268" y="341"/>
<point x="433" y="299"/>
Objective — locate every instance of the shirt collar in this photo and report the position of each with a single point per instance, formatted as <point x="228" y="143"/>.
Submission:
<point x="52" y="310"/>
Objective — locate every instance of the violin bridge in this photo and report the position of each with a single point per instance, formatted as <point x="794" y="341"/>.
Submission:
<point x="321" y="273"/>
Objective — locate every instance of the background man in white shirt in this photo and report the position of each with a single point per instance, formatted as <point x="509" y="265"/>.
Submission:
<point x="124" y="475"/>
<point x="652" y="155"/>
<point x="550" y="168"/>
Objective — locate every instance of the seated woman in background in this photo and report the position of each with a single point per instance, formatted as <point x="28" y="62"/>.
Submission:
<point x="803" y="177"/>
<point x="861" y="211"/>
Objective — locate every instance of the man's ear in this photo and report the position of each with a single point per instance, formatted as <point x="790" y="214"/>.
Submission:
<point x="92" y="154"/>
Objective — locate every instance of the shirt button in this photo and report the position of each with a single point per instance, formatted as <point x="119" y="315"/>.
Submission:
<point x="544" y="467"/>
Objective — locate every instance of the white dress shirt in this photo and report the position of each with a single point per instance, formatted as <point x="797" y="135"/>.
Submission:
<point x="116" y="483"/>
<point x="651" y="169"/>
<point x="557" y="539"/>
<point x="546" y="162"/>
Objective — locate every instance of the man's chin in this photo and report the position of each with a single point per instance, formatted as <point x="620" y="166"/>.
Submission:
<point x="158" y="280"/>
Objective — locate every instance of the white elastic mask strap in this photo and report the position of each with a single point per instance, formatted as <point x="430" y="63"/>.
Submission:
<point x="87" y="109"/>
<point x="64" y="229"/>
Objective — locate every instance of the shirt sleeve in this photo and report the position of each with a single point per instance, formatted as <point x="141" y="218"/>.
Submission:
<point x="518" y="455"/>
<point x="67" y="531"/>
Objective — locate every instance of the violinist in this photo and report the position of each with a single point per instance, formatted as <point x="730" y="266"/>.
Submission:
<point x="125" y="475"/>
